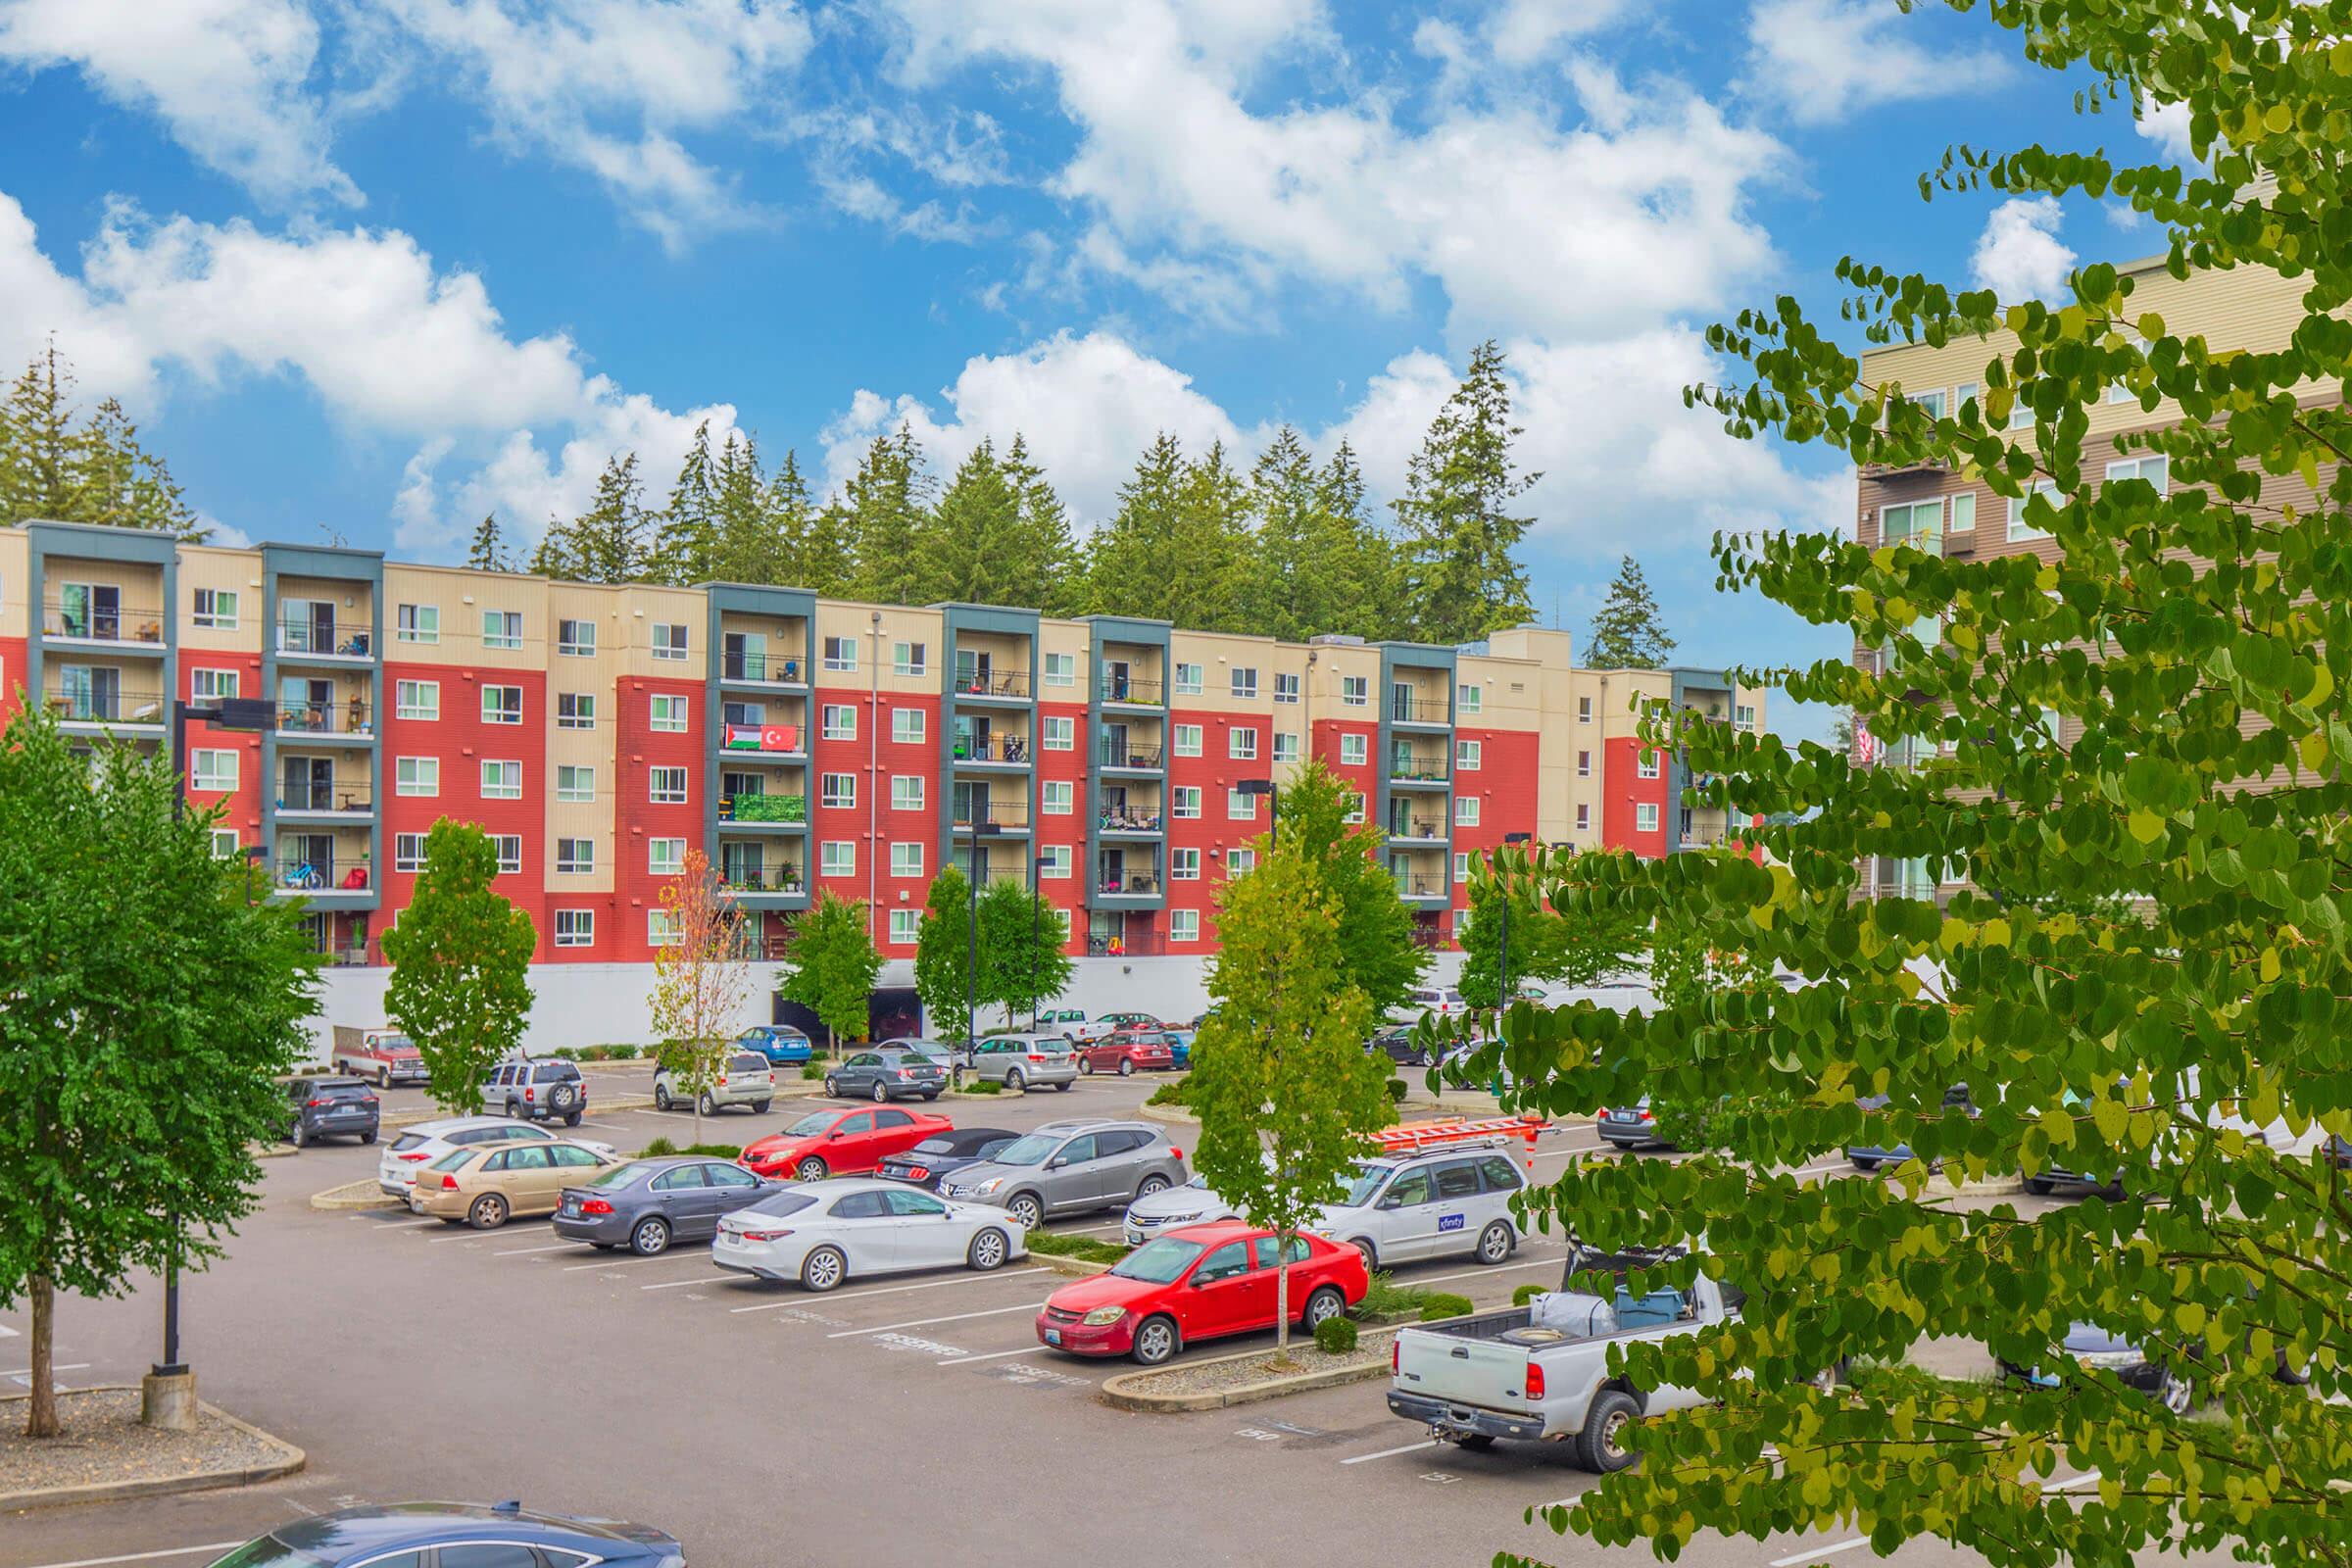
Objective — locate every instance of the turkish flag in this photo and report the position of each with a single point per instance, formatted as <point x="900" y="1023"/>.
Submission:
<point x="780" y="738"/>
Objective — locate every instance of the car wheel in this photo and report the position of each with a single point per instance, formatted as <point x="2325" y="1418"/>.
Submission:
<point x="707" y="1104"/>
<point x="2285" y="1373"/>
<point x="1026" y="1210"/>
<point x="812" y="1169"/>
<point x="1864" y="1165"/>
<point x="1324" y="1303"/>
<point x="572" y="1120"/>
<point x="987" y="1251"/>
<point x="651" y="1237"/>
<point x="661" y="1096"/>
<point x="1015" y="1082"/>
<point x="488" y="1213"/>
<point x="1602" y="1447"/>
<point x="880" y="1093"/>
<point x="1154" y="1183"/>
<point x="1126" y="1066"/>
<point x="930" y="1094"/>
<point x="1363" y="1244"/>
<point x="1495" y="1243"/>
<point x="2113" y="1192"/>
<point x="301" y="1136"/>
<point x="367" y="1137"/>
<point x="1155" y="1340"/>
<point x="1473" y="1443"/>
<point x="825" y="1269"/>
<point x="383" y="1078"/>
<point x="2038" y="1186"/>
<point x="1086" y="1065"/>
<point x="759" y="1108"/>
<point x="832" y="1089"/>
<point x="1063" y="1087"/>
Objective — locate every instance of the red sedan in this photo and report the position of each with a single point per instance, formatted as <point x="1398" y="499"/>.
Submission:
<point x="839" y="1142"/>
<point x="1198" y="1283"/>
<point x="1127" y="1051"/>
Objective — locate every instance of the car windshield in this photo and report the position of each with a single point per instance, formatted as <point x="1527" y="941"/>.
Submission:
<point x="808" y="1126"/>
<point x="619" y="1175"/>
<point x="1366" y="1182"/>
<point x="1029" y="1151"/>
<point x="1159" y="1262"/>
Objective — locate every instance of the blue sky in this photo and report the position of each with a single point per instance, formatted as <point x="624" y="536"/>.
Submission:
<point x="367" y="268"/>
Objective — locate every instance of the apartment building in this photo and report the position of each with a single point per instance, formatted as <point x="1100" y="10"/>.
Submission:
<point x="1122" y="767"/>
<point x="1951" y="511"/>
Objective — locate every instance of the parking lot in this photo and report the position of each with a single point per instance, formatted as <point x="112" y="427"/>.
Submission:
<point x="760" y="1422"/>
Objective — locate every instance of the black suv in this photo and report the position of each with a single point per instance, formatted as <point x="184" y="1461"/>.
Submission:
<point x="549" y="1088"/>
<point x="331" y="1107"/>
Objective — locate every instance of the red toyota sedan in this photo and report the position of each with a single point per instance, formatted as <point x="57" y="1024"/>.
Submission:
<point x="840" y="1143"/>
<point x="1128" y="1050"/>
<point x="1198" y="1283"/>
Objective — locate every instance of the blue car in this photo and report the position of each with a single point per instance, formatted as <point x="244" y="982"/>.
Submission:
<point x="500" y="1534"/>
<point x="780" y="1043"/>
<point x="1179" y="1041"/>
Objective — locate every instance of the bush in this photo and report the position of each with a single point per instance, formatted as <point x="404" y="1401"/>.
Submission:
<point x="811" y="1072"/>
<point x="1387" y="1299"/>
<point x="1526" y="1293"/>
<point x="663" y="1146"/>
<point x="1335" y="1335"/>
<point x="982" y="1086"/>
<point x="1170" y="1092"/>
<point x="1396" y="1090"/>
<point x="1085" y="1248"/>
<point x="620" y="1052"/>
<point x="566" y="1053"/>
<point x="1442" y="1305"/>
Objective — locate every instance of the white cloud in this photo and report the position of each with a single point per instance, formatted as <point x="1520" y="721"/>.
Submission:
<point x="2019" y="256"/>
<point x="2167" y="125"/>
<point x="1823" y="61"/>
<point x="228" y="77"/>
<point x="1522" y="32"/>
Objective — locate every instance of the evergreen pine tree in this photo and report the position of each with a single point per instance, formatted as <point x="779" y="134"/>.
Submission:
<point x="1211" y="546"/>
<point x="606" y="543"/>
<point x="489" y="550"/>
<point x="1356" y="551"/>
<point x="1460" y="577"/>
<point x="883" y="507"/>
<point x="118" y="483"/>
<point x="970" y="546"/>
<point x="743" y="542"/>
<point x="1048" y="553"/>
<point x="96" y="473"/>
<point x="36" y="440"/>
<point x="813" y="544"/>
<point x="685" y="531"/>
<point x="1628" y="633"/>
<point x="1134" y="554"/>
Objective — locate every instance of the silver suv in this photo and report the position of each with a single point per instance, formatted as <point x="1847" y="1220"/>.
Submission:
<point x="1071" y="1167"/>
<point x="548" y="1088"/>
<point x="744" y="1078"/>
<point x="1023" y="1061"/>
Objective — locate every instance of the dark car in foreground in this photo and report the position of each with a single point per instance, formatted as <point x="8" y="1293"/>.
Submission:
<point x="1633" y="1126"/>
<point x="1870" y="1156"/>
<point x="648" y="1203"/>
<point x="503" y="1535"/>
<point x="1397" y="1041"/>
<point x="942" y="1155"/>
<point x="331" y="1107"/>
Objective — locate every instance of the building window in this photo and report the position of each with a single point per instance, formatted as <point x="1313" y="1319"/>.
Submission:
<point x="1583" y="710"/>
<point x="1353" y="750"/>
<point x="671" y="711"/>
<point x="663" y="928"/>
<point x="837" y="791"/>
<point x="1468" y="699"/>
<point x="1461" y="867"/>
<point x="1061" y="733"/>
<point x="574" y="783"/>
<point x="575" y="711"/>
<point x="1964" y="513"/>
<point x="1184" y="925"/>
<point x="906" y="726"/>
<point x="1241" y="805"/>
<point x="906" y="859"/>
<point x="416" y="623"/>
<point x="1919" y="524"/>
<point x="509" y="851"/>
<point x="1184" y="865"/>
<point x="575" y="928"/>
<point x="1645" y="817"/>
<point x="1355" y="691"/>
<point x="1188" y="740"/>
<point x="1061" y="669"/>
<point x="213" y="770"/>
<point x="1241" y="743"/>
<point x="1645" y="765"/>
<point x="840" y="722"/>
<point x="1584" y="765"/>
<point x="408" y="852"/>
<point x="905" y="925"/>
<point x="1054" y="862"/>
<point x="1743" y="717"/>
<point x="666" y="857"/>
<point x="212" y="685"/>
<point x="416" y="699"/>
<point x="666" y="786"/>
<point x="576" y="637"/>
<point x="1059" y="797"/>
<point x="2156" y="470"/>
<point x="1355" y="807"/>
<point x="501" y="781"/>
<point x="2019" y="528"/>
<point x="669" y="640"/>
<point x="840" y="653"/>
<point x="1187" y="681"/>
<point x="907" y="658"/>
<point x="1240" y="862"/>
<point x="1583" y="817"/>
<point x="417" y="775"/>
<point x="1286" y="746"/>
<point x="1245" y="684"/>
<point x="217" y="608"/>
<point x="1468" y="756"/>
<point x="1465" y="810"/>
<point x="907" y="792"/>
<point x="1285" y="688"/>
<point x="1187" y="802"/>
<point x="838" y="858"/>
<point x="502" y="705"/>
<point x="575" y="856"/>
<point x="502" y="628"/>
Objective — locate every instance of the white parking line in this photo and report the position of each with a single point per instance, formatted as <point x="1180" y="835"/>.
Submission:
<point x="622" y="1262"/>
<point x="997" y="1355"/>
<point x="2087" y="1478"/>
<point x="886" y="1289"/>
<point x="1389" y="1454"/>
<point x="406" y="1224"/>
<point x="700" y="1279"/>
<point x="24" y="1372"/>
<point x="7" y="1333"/>
<point x="526" y="1251"/>
<point x="146" y="1556"/>
<point x="1498" y="1268"/>
<point x="926" y="1322"/>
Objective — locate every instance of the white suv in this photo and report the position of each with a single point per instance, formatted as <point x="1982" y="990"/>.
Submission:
<point x="421" y="1145"/>
<point x="1434" y="1204"/>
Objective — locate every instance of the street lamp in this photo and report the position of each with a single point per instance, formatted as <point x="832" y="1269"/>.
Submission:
<point x="1037" y="918"/>
<point x="1266" y="786"/>
<point x="1502" y="978"/>
<point x="971" y="924"/>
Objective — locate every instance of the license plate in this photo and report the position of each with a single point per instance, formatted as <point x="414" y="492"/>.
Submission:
<point x="1135" y="1237"/>
<point x="1052" y="1336"/>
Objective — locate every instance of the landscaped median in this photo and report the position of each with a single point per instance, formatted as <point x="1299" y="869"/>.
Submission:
<point x="1217" y="1381"/>
<point x="108" y="1455"/>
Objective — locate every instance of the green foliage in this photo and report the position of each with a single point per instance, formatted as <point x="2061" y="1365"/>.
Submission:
<point x="663" y="1146"/>
<point x="2196" y="641"/>
<point x="1021" y="955"/>
<point x="1171" y="1092"/>
<point x="1176" y="546"/>
<point x="610" y="542"/>
<point x="1628" y="630"/>
<point x="1376" y="931"/>
<point x="943" y="952"/>
<point x="811" y="1071"/>
<point x="1462" y="576"/>
<point x="1319" y="562"/>
<point x="882" y="513"/>
<point x="1087" y="1249"/>
<point x="999" y="536"/>
<point x="460" y="959"/>
<point x="146" y="1004"/>
<point x="1544" y="946"/>
<point x="95" y="471"/>
<point x="833" y="965"/>
<point x="488" y="552"/>
<point x="1386" y="1301"/>
<point x="1280" y="1079"/>
<point x="1526" y="1293"/>
<point x="1336" y="1335"/>
<point x="982" y="1086"/>
<point x="1442" y="1305"/>
<point x="1397" y="1089"/>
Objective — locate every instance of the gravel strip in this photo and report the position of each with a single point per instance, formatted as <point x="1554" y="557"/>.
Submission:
<point x="103" y="1445"/>
<point x="1217" y="1375"/>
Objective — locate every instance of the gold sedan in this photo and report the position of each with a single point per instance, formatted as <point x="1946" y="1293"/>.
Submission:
<point x="486" y="1185"/>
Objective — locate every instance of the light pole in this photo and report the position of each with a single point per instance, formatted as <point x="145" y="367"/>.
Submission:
<point x="971" y="925"/>
<point x="1036" y="926"/>
<point x="1265" y="787"/>
<point x="1502" y="965"/>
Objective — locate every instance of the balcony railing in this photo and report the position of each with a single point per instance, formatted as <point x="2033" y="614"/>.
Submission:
<point x="1111" y="754"/>
<point x="991" y="683"/>
<point x="990" y="749"/>
<point x="1121" y="946"/>
<point x="1414" y="886"/>
<point x="106" y="707"/>
<point x="301" y="873"/>
<point x="329" y="799"/>
<point x="1401" y="826"/>
<point x="991" y="812"/>
<point x="1420" y="709"/>
<point x="1127" y="884"/>
<point x="990" y="875"/>
<point x="1421" y="770"/>
<point x="347" y="717"/>
<point x="761" y="878"/>
<point x="1430" y="938"/>
<point x="764" y="808"/>
<point x="1129" y="689"/>
<point x="90" y="623"/>
<point x="349" y="955"/>
<point x="763" y="667"/>
<point x="1130" y="821"/>
<point x="310" y="635"/>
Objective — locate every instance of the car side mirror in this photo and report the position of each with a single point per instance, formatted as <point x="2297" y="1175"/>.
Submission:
<point x="1057" y="1162"/>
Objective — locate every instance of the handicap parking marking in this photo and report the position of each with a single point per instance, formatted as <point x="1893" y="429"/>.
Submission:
<point x="952" y="1317"/>
<point x="909" y="1341"/>
<point x="1032" y="1377"/>
<point x="896" y="1290"/>
<point x="1391" y="1453"/>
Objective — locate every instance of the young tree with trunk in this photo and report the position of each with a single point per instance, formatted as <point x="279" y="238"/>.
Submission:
<point x="1376" y="946"/>
<point x="833" y="967"/>
<point x="701" y="977"/>
<point x="147" y="1002"/>
<point x="943" y="946"/>
<point x="1542" y="946"/>
<point x="1022" y="959"/>
<point x="1457" y="533"/>
<point x="460" y="957"/>
<point x="1628" y="631"/>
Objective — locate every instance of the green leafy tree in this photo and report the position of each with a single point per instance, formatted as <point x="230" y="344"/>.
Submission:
<point x="488" y="552"/>
<point x="970" y="546"/>
<point x="1286" y="1093"/>
<point x="883" y="509"/>
<point x="833" y="967"/>
<point x="701" y="978"/>
<point x="461" y="957"/>
<point x="943" y="950"/>
<point x="1376" y="929"/>
<point x="1458" y="536"/>
<point x="146" y="1001"/>
<point x="93" y="471"/>
<point x="1544" y="946"/>
<point x="2197" y="637"/>
<point x="1022" y="962"/>
<point x="606" y="543"/>
<point x="1628" y="631"/>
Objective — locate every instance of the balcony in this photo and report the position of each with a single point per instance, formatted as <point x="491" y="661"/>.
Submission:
<point x="348" y="720"/>
<point x="1147" y="944"/>
<point x="355" y="801"/>
<point x="1413" y="886"/>
<point x="1406" y="827"/>
<point x="1431" y="710"/>
<point x="1128" y="757"/>
<point x="136" y="628"/>
<point x="990" y="685"/>
<point x="756" y="877"/>
<point x="1419" y="772"/>
<point x="990" y="751"/>
<point x="754" y="743"/>
<point x="993" y="813"/>
<point x="106" y="704"/>
<point x="1430" y="937"/>
<point x="1125" y="822"/>
<point x="1128" y="691"/>
<point x="1116" y="878"/>
<point x="762" y="669"/>
<point x="323" y="639"/>
<point x="296" y="872"/>
<point x="764" y="810"/>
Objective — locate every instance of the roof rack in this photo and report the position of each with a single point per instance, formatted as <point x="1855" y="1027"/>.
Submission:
<point x="1459" y="1132"/>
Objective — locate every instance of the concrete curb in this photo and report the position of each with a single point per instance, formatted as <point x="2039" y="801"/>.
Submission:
<point x="289" y="1461"/>
<point x="1125" y="1393"/>
<point x="1170" y="1116"/>
<point x="1077" y="1268"/>
<point x="402" y="1119"/>
<point x="355" y="1195"/>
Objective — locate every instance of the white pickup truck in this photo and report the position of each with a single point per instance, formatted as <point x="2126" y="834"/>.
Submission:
<point x="1540" y="1372"/>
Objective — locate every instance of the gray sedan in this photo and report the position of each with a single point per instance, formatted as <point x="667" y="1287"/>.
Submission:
<point x="648" y="1203"/>
<point x="888" y="1072"/>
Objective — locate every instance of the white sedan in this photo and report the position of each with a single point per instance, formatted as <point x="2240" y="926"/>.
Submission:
<point x="821" y="1233"/>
